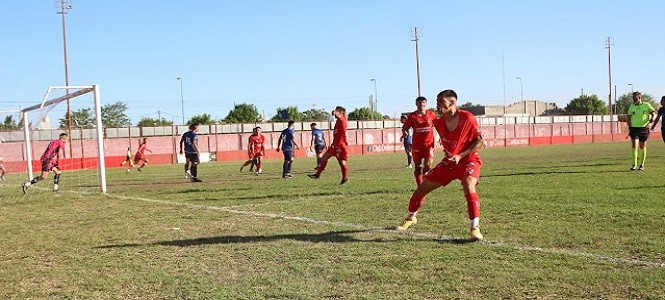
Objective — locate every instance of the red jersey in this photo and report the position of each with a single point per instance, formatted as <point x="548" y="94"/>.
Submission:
<point x="339" y="132"/>
<point x="52" y="149"/>
<point x="257" y="142"/>
<point x="141" y="151"/>
<point x="423" y="133"/>
<point x="460" y="138"/>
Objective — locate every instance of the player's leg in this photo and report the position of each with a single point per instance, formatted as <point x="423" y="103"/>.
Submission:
<point x="258" y="163"/>
<point x="634" y="145"/>
<point x="473" y="206"/>
<point x="188" y="173"/>
<point x="56" y="178"/>
<point x="194" y="158"/>
<point x="342" y="156"/>
<point x="323" y="164"/>
<point x="418" y="159"/>
<point x="416" y="201"/>
<point x="409" y="156"/>
<point x="643" y="149"/>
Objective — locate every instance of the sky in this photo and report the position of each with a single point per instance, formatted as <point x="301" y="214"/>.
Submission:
<point x="320" y="53"/>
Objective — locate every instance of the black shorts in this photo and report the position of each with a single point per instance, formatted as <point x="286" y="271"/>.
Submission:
<point x="318" y="149"/>
<point x="288" y="155"/>
<point x="639" y="133"/>
<point x="192" y="157"/>
<point x="48" y="165"/>
<point x="407" y="147"/>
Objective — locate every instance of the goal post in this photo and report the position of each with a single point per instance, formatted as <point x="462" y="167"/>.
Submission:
<point x="80" y="90"/>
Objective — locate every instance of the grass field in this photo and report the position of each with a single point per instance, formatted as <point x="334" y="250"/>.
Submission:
<point x="560" y="222"/>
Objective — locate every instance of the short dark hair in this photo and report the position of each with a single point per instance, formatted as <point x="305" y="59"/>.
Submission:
<point x="421" y="98"/>
<point x="62" y="134"/>
<point x="193" y="125"/>
<point x="257" y="127"/>
<point x="403" y="117"/>
<point x="447" y="93"/>
<point x="291" y="122"/>
<point x="637" y="94"/>
<point x="314" y="124"/>
<point x="340" y="108"/>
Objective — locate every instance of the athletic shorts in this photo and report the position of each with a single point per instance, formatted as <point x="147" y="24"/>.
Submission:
<point x="318" y="149"/>
<point x="128" y="158"/>
<point x="255" y="155"/>
<point x="446" y="172"/>
<point x="422" y="151"/>
<point x="192" y="157"/>
<point x="639" y="133"/>
<point x="48" y="165"/>
<point x="339" y="152"/>
<point x="288" y="154"/>
<point x="138" y="158"/>
<point x="407" y="147"/>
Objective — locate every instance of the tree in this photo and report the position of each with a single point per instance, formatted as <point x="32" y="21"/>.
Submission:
<point x="150" y="122"/>
<point x="621" y="107"/>
<point x="204" y="119"/>
<point x="243" y="113"/>
<point x="288" y="113"/>
<point x="315" y="115"/>
<point x="475" y="109"/>
<point x="113" y="115"/>
<point x="9" y="123"/>
<point x="364" y="114"/>
<point x="586" y="105"/>
<point x="81" y="118"/>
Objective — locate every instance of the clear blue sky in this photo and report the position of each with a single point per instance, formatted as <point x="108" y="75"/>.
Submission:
<point x="323" y="53"/>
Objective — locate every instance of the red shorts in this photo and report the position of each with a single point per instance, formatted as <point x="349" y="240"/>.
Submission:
<point x="138" y="158"/>
<point x="339" y="152"/>
<point x="421" y="151"/>
<point x="446" y="171"/>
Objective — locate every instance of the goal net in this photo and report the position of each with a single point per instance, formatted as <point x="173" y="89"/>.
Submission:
<point x="28" y="135"/>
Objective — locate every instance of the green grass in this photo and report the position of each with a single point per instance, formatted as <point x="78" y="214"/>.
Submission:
<point x="560" y="222"/>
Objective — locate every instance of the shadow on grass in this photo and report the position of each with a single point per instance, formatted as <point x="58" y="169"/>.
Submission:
<point x="325" y="237"/>
<point x="552" y="173"/>
<point x="648" y="187"/>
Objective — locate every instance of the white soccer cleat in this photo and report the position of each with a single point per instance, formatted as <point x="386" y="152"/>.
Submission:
<point x="475" y="235"/>
<point x="55" y="187"/>
<point x="188" y="174"/>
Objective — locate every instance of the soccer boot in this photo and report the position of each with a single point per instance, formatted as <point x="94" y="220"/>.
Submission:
<point x="633" y="168"/>
<point x="406" y="224"/>
<point x="188" y="174"/>
<point x="344" y="181"/>
<point x="195" y="179"/>
<point x="313" y="176"/>
<point x="55" y="187"/>
<point x="641" y="168"/>
<point x="25" y="187"/>
<point x="475" y="235"/>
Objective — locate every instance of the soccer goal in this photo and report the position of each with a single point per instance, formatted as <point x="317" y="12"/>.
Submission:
<point x="84" y="148"/>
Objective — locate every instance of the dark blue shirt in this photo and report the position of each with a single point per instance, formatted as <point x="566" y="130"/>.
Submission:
<point x="661" y="114"/>
<point x="319" y="139"/>
<point x="190" y="138"/>
<point x="288" y="135"/>
<point x="408" y="140"/>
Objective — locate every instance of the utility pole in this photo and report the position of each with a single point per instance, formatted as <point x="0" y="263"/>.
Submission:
<point x="159" y="114"/>
<point x="608" y="45"/>
<point x="416" y="38"/>
<point x="64" y="6"/>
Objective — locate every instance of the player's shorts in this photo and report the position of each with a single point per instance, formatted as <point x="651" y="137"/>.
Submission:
<point x="339" y="152"/>
<point x="288" y="154"/>
<point x="192" y="157"/>
<point x="255" y="155"/>
<point x="138" y="158"/>
<point x="407" y="147"/>
<point x="128" y="158"/>
<point x="318" y="149"/>
<point x="422" y="151"/>
<point x="48" y="165"/>
<point x="639" y="133"/>
<point x="445" y="172"/>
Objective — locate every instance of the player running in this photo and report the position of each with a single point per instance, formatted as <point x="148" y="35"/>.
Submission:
<point x="190" y="141"/>
<point x="286" y="142"/>
<point x="407" y="139"/>
<point x="421" y="121"/>
<point x="317" y="144"/>
<point x="337" y="147"/>
<point x="661" y="115"/>
<point x="128" y="160"/>
<point x="461" y="139"/>
<point x="49" y="162"/>
<point x="640" y="114"/>
<point x="255" y="150"/>
<point x="140" y="156"/>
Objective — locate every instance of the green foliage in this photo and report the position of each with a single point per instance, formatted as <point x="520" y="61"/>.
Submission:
<point x="622" y="104"/>
<point x="9" y="124"/>
<point x="150" y="122"/>
<point x="475" y="109"/>
<point x="315" y="115"/>
<point x="586" y="105"/>
<point x="288" y="113"/>
<point x="81" y="118"/>
<point x="243" y="113"/>
<point x="204" y="119"/>
<point x="114" y="115"/>
<point x="364" y="114"/>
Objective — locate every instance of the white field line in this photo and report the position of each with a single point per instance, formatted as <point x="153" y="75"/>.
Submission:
<point x="432" y="236"/>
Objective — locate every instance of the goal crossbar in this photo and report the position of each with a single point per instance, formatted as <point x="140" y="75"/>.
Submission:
<point x="82" y="90"/>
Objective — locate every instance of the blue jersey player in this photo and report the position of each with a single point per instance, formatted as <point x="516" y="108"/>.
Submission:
<point x="286" y="142"/>
<point x="190" y="141"/>
<point x="317" y="144"/>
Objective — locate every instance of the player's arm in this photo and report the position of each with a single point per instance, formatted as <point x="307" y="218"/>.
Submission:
<point x="195" y="144"/>
<point x="311" y="142"/>
<point x="655" y="122"/>
<point x="295" y="143"/>
<point x="475" y="146"/>
<point x="279" y="143"/>
<point x="405" y="133"/>
<point x="182" y="142"/>
<point x="628" y="119"/>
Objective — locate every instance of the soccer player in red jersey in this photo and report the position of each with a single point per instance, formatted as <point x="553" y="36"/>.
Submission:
<point x="461" y="139"/>
<point x="256" y="150"/>
<point x="49" y="162"/>
<point x="422" y="146"/>
<point x="140" y="155"/>
<point x="337" y="147"/>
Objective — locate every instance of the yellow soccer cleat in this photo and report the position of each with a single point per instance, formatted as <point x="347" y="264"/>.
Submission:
<point x="476" y="235"/>
<point x="406" y="224"/>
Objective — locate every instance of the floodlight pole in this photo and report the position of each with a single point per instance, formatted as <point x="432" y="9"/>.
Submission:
<point x="63" y="13"/>
<point x="182" y="101"/>
<point x="416" y="38"/>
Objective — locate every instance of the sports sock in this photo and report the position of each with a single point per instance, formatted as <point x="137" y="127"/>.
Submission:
<point x="409" y="158"/>
<point x="411" y="215"/>
<point x="473" y="205"/>
<point x="416" y="202"/>
<point x="195" y="170"/>
<point x="258" y="165"/>
<point x="322" y="167"/>
<point x="56" y="178"/>
<point x="285" y="167"/>
<point x="644" y="156"/>
<point x="475" y="222"/>
<point x="634" y="156"/>
<point x="36" y="179"/>
<point x="345" y="171"/>
<point x="419" y="178"/>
